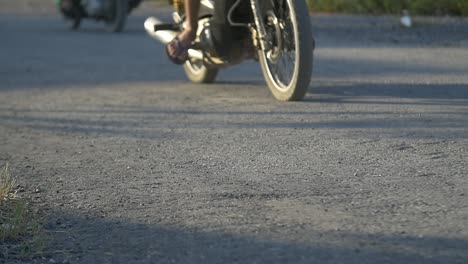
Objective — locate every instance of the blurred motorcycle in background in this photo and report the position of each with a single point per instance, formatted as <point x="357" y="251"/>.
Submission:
<point x="112" y="12"/>
<point x="277" y="33"/>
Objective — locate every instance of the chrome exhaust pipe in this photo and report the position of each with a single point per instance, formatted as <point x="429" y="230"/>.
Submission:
<point x="166" y="36"/>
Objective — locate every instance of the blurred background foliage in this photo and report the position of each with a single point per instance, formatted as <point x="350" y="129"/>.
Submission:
<point x="420" y="7"/>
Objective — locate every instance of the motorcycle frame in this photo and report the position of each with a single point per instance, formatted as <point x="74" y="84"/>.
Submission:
<point x="258" y="26"/>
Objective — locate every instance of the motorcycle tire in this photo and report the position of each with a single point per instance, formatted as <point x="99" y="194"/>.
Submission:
<point x="74" y="23"/>
<point x="71" y="15"/>
<point x="119" y="15"/>
<point x="199" y="73"/>
<point x="278" y="22"/>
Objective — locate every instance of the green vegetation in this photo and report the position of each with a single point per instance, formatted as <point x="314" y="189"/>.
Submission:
<point x="21" y="232"/>
<point x="7" y="183"/>
<point x="421" y="7"/>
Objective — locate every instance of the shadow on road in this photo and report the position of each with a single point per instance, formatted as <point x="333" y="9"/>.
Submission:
<point x="431" y="94"/>
<point x="95" y="240"/>
<point x="149" y="121"/>
<point x="357" y="30"/>
<point x="61" y="60"/>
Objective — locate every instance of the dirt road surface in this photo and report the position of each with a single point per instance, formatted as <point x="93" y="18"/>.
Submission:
<point x="136" y="165"/>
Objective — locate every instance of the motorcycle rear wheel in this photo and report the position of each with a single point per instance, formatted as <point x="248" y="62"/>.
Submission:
<point x="72" y="16"/>
<point x="116" y="22"/>
<point x="197" y="72"/>
<point x="195" y="69"/>
<point x="290" y="37"/>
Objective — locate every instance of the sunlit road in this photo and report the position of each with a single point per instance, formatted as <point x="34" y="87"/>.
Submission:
<point x="136" y="165"/>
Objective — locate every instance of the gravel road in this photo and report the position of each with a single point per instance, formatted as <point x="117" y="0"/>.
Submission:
<point x="136" y="165"/>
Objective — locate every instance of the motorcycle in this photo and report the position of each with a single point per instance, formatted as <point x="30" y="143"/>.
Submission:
<point x="112" y="12"/>
<point x="276" y="33"/>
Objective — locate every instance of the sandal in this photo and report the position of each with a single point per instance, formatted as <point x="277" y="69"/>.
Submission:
<point x="181" y="51"/>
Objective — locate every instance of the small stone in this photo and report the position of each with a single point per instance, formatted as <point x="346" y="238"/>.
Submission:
<point x="6" y="227"/>
<point x="37" y="190"/>
<point x="51" y="260"/>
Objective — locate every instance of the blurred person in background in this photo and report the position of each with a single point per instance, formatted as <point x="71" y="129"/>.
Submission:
<point x="177" y="49"/>
<point x="66" y="6"/>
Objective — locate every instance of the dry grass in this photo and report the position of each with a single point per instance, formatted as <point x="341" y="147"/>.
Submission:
<point x="21" y="232"/>
<point x="7" y="183"/>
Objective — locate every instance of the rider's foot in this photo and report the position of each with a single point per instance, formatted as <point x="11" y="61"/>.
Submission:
<point x="177" y="49"/>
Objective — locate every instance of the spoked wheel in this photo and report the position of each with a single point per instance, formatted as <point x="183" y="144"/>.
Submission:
<point x="117" y="15"/>
<point x="287" y="65"/>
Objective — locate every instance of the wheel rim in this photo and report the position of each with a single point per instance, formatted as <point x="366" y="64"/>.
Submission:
<point x="195" y="66"/>
<point x="282" y="58"/>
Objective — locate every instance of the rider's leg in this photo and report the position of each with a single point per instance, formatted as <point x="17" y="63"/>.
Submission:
<point x="192" y="8"/>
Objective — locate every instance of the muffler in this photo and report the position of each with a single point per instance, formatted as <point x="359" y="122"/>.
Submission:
<point x="165" y="33"/>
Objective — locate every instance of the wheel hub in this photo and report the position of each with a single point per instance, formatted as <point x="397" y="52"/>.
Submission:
<point x="275" y="36"/>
